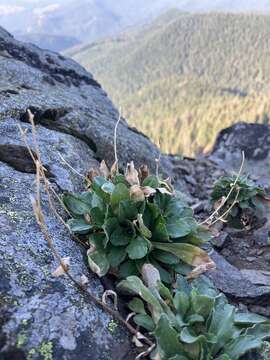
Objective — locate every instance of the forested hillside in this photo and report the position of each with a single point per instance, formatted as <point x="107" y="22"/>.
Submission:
<point x="186" y="76"/>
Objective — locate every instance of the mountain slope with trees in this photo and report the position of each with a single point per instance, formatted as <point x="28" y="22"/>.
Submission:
<point x="186" y="76"/>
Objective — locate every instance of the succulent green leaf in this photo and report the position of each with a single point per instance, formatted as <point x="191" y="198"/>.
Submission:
<point x="188" y="253"/>
<point x="165" y="257"/>
<point x="76" y="205"/>
<point x="79" y="226"/>
<point x="160" y="231"/>
<point x="98" y="240"/>
<point x="121" y="236"/>
<point x="188" y="338"/>
<point x="248" y="318"/>
<point x="180" y="227"/>
<point x="138" y="248"/>
<point x="128" y="268"/>
<point x="201" y="304"/>
<point x="259" y="331"/>
<point x="120" y="179"/>
<point x="102" y="187"/>
<point x="145" y="321"/>
<point x="145" y="232"/>
<point x="223" y="357"/>
<point x="175" y="208"/>
<point x="134" y="285"/>
<point x="151" y="181"/>
<point x="182" y="268"/>
<point x="240" y="346"/>
<point x="108" y="187"/>
<point x="116" y="255"/>
<point x="167" y="338"/>
<point x="178" y="357"/>
<point x="165" y="274"/>
<point x="127" y="210"/>
<point x="181" y="302"/>
<point x="195" y="318"/>
<point x="136" y="305"/>
<point x="165" y="292"/>
<point x="120" y="192"/>
<point x="205" y="287"/>
<point x="98" y="262"/>
<point x="110" y="225"/>
<point x="198" y="237"/>
<point x="97" y="216"/>
<point x="222" y="325"/>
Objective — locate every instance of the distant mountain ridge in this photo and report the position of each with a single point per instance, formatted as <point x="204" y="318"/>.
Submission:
<point x="186" y="76"/>
<point x="89" y="20"/>
<point x="53" y="42"/>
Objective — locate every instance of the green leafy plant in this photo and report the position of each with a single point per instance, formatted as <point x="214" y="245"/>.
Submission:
<point x="245" y="203"/>
<point x="135" y="218"/>
<point x="194" y="322"/>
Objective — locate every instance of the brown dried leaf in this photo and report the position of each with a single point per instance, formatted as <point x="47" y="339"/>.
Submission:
<point x="110" y="293"/>
<point x="87" y="218"/>
<point x="148" y="191"/>
<point x="147" y="352"/>
<point x="104" y="170"/>
<point x="264" y="200"/>
<point x="131" y="174"/>
<point x="59" y="271"/>
<point x="136" y="193"/>
<point x="92" y="174"/>
<point x="137" y="342"/>
<point x="200" y="269"/>
<point x="84" y="280"/>
<point x="114" y="168"/>
<point x="163" y="190"/>
<point x="143" y="172"/>
<point x="157" y="357"/>
<point x="150" y="275"/>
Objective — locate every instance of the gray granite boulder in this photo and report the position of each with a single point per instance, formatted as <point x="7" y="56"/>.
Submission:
<point x="44" y="317"/>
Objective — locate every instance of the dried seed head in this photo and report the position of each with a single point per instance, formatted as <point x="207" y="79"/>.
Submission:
<point x="148" y="191"/>
<point x="136" y="193"/>
<point x="131" y="174"/>
<point x="143" y="172"/>
<point x="62" y="268"/>
<point x="104" y="170"/>
<point x="92" y="174"/>
<point x="150" y="275"/>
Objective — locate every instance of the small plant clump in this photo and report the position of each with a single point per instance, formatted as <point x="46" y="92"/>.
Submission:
<point x="132" y="219"/>
<point x="245" y="203"/>
<point x="194" y="322"/>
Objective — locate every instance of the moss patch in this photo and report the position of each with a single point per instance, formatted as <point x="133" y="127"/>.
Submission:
<point x="46" y="350"/>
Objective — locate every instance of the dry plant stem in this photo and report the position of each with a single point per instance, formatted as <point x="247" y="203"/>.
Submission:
<point x="74" y="170"/>
<point x="115" y="140"/>
<point x="58" y="198"/>
<point x="40" y="174"/>
<point x="158" y="160"/>
<point x="224" y="215"/>
<point x="227" y="197"/>
<point x="49" y="188"/>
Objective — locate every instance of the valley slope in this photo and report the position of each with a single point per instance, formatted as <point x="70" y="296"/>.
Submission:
<point x="186" y="76"/>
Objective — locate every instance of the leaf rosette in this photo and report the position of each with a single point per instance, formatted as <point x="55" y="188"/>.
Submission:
<point x="194" y="322"/>
<point x="243" y="202"/>
<point x="132" y="219"/>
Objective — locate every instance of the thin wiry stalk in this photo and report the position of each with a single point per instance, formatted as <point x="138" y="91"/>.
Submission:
<point x="224" y="215"/>
<point x="206" y="221"/>
<point x="158" y="161"/>
<point x="74" y="170"/>
<point x="115" y="140"/>
<point x="37" y="208"/>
